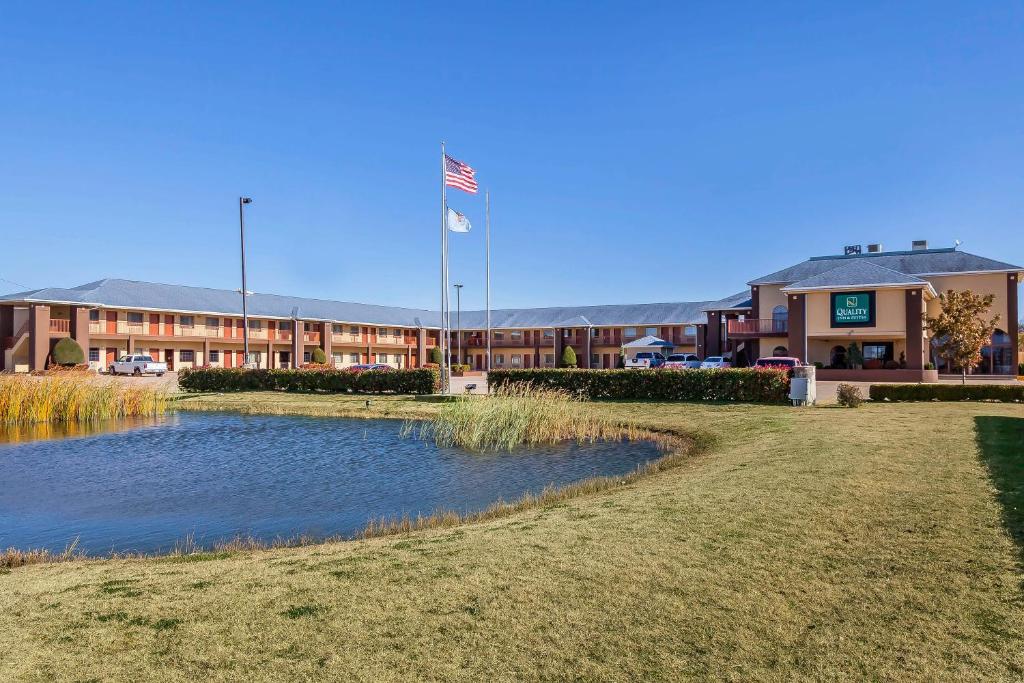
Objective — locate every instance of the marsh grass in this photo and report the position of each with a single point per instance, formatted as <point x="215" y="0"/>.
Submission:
<point x="73" y="397"/>
<point x="519" y="414"/>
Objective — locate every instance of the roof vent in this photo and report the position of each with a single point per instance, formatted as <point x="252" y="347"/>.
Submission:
<point x="874" y="248"/>
<point x="919" y="245"/>
<point x="851" y="249"/>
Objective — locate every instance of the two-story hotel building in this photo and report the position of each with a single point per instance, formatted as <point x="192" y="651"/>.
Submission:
<point x="812" y="310"/>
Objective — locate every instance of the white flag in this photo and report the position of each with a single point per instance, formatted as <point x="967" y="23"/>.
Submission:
<point x="457" y="222"/>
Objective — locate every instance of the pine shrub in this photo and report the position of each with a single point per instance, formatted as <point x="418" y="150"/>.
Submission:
<point x="67" y="352"/>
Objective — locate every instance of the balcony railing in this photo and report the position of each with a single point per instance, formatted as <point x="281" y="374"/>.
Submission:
<point x="758" y="327"/>
<point x="346" y="338"/>
<point x="60" y="326"/>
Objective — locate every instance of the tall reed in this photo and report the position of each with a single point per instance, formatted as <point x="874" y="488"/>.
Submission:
<point x="518" y="415"/>
<point x="73" y="398"/>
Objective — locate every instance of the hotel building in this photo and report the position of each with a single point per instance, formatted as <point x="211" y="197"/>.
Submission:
<point x="812" y="310"/>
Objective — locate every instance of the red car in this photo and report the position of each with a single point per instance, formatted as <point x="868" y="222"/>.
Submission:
<point x="784" y="362"/>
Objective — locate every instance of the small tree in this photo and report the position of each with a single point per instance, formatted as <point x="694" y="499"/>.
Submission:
<point x="318" y="356"/>
<point x="961" y="329"/>
<point x="568" y="358"/>
<point x="67" y="352"/>
<point x="435" y="355"/>
<point x="854" y="357"/>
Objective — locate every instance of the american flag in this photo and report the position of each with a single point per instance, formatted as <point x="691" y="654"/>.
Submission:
<point x="459" y="175"/>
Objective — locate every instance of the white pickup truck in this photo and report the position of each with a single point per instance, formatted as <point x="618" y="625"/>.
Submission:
<point x="138" y="365"/>
<point x="646" y="359"/>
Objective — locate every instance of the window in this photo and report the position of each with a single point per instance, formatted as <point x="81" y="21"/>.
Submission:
<point x="498" y="336"/>
<point x="284" y="357"/>
<point x="337" y="329"/>
<point x="382" y="331"/>
<point x="213" y="322"/>
<point x="214" y="356"/>
<point x="255" y="324"/>
<point x="353" y="358"/>
<point x="882" y="352"/>
<point x="690" y="330"/>
<point x="517" y="359"/>
<point x="780" y="351"/>
<point x="94" y="355"/>
<point x="568" y="332"/>
<point x="651" y="331"/>
<point x="595" y="360"/>
<point x="307" y="326"/>
<point x="549" y="359"/>
<point x="499" y="359"/>
<point x="338" y="358"/>
<point x="594" y="332"/>
<point x="396" y="333"/>
<point x="186" y="355"/>
<point x="306" y="357"/>
<point x="94" y="315"/>
<point x="630" y="332"/>
<point x="353" y="330"/>
<point x="780" y="313"/>
<point x="185" y="320"/>
<point x="516" y="335"/>
<point x="135" y="318"/>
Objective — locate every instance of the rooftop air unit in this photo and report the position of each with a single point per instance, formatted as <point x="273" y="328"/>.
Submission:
<point x="919" y="245"/>
<point x="874" y="248"/>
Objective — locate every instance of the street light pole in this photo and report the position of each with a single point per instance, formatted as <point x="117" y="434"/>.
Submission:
<point x="242" y="201"/>
<point x="458" y="317"/>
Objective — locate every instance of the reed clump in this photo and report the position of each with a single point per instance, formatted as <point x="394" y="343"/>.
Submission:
<point x="73" y="397"/>
<point x="519" y="414"/>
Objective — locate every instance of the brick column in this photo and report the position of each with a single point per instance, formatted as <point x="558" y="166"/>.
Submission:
<point x="538" y="337"/>
<point x="421" y="347"/>
<point x="271" y="361"/>
<point x="559" y="345"/>
<point x="206" y="353"/>
<point x="915" y="340"/>
<point x="6" y="331"/>
<point x="797" y="342"/>
<point x="80" y="328"/>
<point x="325" y="339"/>
<point x="1012" y="315"/>
<point x="38" y="336"/>
<point x="590" y="339"/>
<point x="298" y="343"/>
<point x="714" y="336"/>
<point x="700" y="346"/>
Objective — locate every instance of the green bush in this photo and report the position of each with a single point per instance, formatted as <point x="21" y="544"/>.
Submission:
<point x="568" y="358"/>
<point x="416" y="381"/>
<point x="67" y="352"/>
<point x="947" y="392"/>
<point x="748" y="385"/>
<point x="848" y="395"/>
<point x="318" y="356"/>
<point x="436" y="357"/>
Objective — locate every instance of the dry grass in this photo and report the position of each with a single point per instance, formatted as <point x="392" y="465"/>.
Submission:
<point x="814" y="544"/>
<point x="519" y="415"/>
<point x="73" y="397"/>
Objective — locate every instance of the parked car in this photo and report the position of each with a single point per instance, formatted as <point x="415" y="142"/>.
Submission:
<point x="137" y="365"/>
<point x="646" y="359"/>
<point x="715" y="363"/>
<point x="682" y="361"/>
<point x="784" y="362"/>
<point x="370" y="366"/>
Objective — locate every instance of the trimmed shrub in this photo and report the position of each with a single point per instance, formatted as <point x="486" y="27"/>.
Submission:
<point x="747" y="385"/>
<point x="568" y="358"/>
<point x="329" y="380"/>
<point x="848" y="395"/>
<point x="67" y="352"/>
<point x="318" y="356"/>
<point x="947" y="392"/>
<point x="436" y="357"/>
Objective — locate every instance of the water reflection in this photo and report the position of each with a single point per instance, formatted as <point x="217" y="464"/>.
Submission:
<point x="14" y="434"/>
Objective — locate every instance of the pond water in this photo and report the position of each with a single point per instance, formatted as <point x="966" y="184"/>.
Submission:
<point x="145" y="486"/>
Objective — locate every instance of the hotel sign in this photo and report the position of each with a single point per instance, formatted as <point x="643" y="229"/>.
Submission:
<point x="853" y="309"/>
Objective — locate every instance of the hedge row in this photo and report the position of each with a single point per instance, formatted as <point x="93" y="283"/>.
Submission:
<point x="418" y="381"/>
<point x="740" y="384"/>
<point x="947" y="392"/>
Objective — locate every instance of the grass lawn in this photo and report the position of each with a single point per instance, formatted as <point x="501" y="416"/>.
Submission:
<point x="877" y="543"/>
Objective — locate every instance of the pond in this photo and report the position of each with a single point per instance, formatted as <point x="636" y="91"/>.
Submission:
<point x="146" y="486"/>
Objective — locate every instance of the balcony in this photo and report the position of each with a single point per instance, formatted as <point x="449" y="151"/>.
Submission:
<point x="758" y="327"/>
<point x="345" y="338"/>
<point x="60" y="326"/>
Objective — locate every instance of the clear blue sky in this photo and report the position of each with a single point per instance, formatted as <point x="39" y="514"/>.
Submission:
<point x="665" y="153"/>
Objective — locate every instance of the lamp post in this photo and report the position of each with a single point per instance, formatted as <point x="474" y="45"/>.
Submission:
<point x="242" y="201"/>
<point x="458" y="317"/>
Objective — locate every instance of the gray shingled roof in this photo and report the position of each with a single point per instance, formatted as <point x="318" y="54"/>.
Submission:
<point x="739" y="300"/>
<point x="858" y="273"/>
<point x="149" y="295"/>
<point x="922" y="262"/>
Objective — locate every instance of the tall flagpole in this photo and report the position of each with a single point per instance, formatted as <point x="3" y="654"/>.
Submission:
<point x="487" y="269"/>
<point x="444" y="269"/>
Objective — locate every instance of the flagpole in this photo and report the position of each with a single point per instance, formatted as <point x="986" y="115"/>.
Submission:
<point x="487" y="269"/>
<point x="444" y="269"/>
